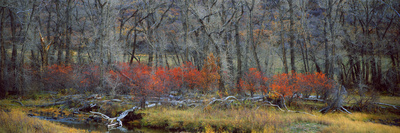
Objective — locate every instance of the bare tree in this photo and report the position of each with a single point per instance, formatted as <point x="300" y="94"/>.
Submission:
<point x="282" y="38"/>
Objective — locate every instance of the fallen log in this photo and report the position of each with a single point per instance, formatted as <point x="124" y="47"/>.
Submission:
<point x="254" y="99"/>
<point x="284" y="105"/>
<point x="117" y="121"/>
<point x="88" y="107"/>
<point x="313" y="99"/>
<point x="394" y="106"/>
<point x="270" y="104"/>
<point x="222" y="100"/>
<point x="18" y="102"/>
<point x="277" y="106"/>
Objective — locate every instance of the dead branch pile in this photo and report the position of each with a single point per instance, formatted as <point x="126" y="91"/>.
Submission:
<point x="116" y="121"/>
<point x="336" y="102"/>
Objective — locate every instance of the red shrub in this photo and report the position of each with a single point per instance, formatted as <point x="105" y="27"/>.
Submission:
<point x="306" y="84"/>
<point x="89" y="77"/>
<point x="58" y="77"/>
<point x="191" y="75"/>
<point x="254" y="81"/>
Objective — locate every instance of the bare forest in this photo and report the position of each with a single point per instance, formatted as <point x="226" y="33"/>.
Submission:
<point x="116" y="60"/>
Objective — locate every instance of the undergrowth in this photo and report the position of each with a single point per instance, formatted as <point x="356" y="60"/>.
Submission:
<point x="212" y="118"/>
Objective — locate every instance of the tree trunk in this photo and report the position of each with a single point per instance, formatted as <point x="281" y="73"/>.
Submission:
<point x="133" y="48"/>
<point x="337" y="101"/>
<point x="3" y="68"/>
<point x="48" y="28"/>
<point x="185" y="29"/>
<point x="68" y="32"/>
<point x="284" y="60"/>
<point x="326" y="52"/>
<point x="101" y="41"/>
<point x="251" y="35"/>
<point x="151" y="51"/>
<point x="57" y="38"/>
<point x="316" y="64"/>
<point x="291" y="36"/>
<point x="13" y="68"/>
<point x="238" y="56"/>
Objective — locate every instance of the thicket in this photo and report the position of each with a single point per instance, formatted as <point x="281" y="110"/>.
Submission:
<point x="143" y="81"/>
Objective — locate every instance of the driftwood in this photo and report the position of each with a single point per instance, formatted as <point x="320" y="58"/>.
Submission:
<point x="313" y="99"/>
<point x="394" y="106"/>
<point x="337" y="102"/>
<point x="18" y="102"/>
<point x="222" y="100"/>
<point x="270" y="104"/>
<point x="117" y="120"/>
<point x="255" y="99"/>
<point x="88" y="107"/>
<point x="284" y="105"/>
<point x="267" y="103"/>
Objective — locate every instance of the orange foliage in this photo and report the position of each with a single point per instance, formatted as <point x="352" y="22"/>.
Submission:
<point x="141" y="80"/>
<point x="89" y="77"/>
<point x="281" y="84"/>
<point x="156" y="83"/>
<point x="58" y="76"/>
<point x="136" y="77"/>
<point x="254" y="81"/>
<point x="209" y="74"/>
<point x="309" y="83"/>
<point x="191" y="75"/>
<point x="144" y="81"/>
<point x="287" y="85"/>
<point x="176" y="77"/>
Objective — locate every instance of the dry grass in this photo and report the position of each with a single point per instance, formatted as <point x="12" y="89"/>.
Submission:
<point x="213" y="119"/>
<point x="356" y="122"/>
<point x="390" y="100"/>
<point x="15" y="121"/>
<point x="16" y="106"/>
<point x="262" y="120"/>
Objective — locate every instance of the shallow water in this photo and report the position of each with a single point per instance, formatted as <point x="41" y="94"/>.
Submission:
<point x="69" y="122"/>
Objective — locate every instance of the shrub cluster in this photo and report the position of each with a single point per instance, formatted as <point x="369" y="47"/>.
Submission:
<point x="136" y="78"/>
<point x="286" y="84"/>
<point x="145" y="81"/>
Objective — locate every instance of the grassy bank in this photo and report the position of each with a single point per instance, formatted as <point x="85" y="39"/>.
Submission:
<point x="390" y="100"/>
<point x="15" y="121"/>
<point x="261" y="120"/>
<point x="214" y="118"/>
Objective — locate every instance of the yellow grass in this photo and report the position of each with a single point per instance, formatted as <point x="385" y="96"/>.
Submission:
<point x="390" y="100"/>
<point x="263" y="120"/>
<point x="356" y="122"/>
<point x="16" y="121"/>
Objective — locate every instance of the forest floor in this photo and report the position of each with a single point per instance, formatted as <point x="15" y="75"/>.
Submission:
<point x="246" y="117"/>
